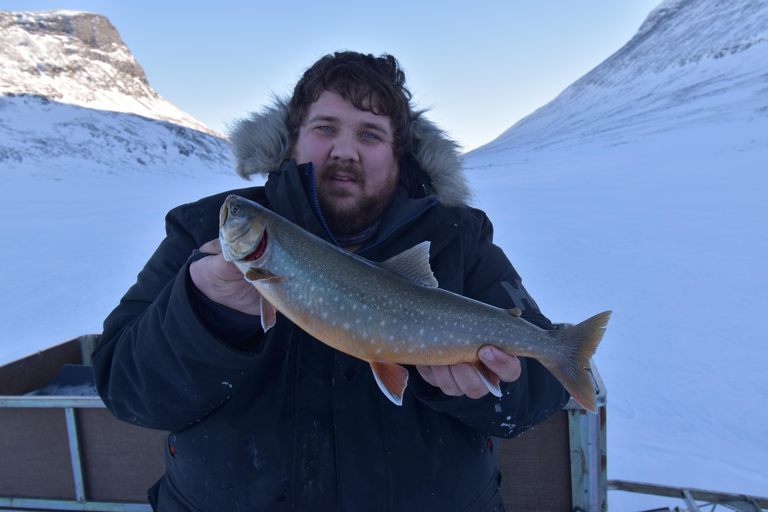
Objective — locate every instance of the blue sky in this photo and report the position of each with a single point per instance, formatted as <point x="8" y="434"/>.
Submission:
<point x="480" y="66"/>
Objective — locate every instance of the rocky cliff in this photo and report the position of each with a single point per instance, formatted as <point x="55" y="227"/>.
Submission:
<point x="78" y="58"/>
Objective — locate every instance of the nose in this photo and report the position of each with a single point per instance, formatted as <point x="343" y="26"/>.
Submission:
<point x="344" y="148"/>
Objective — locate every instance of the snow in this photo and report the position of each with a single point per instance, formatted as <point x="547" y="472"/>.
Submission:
<point x="669" y="232"/>
<point x="75" y="243"/>
<point x="640" y="189"/>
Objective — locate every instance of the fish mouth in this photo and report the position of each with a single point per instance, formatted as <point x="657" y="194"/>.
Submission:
<point x="261" y="247"/>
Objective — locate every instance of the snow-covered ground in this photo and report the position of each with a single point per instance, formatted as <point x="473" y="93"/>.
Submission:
<point x="75" y="243"/>
<point x="644" y="191"/>
<point x="671" y="233"/>
<point x="668" y="231"/>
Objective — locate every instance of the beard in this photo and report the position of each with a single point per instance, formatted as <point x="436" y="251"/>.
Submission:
<point x="343" y="217"/>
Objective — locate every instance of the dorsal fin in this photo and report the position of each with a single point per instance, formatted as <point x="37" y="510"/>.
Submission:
<point x="413" y="264"/>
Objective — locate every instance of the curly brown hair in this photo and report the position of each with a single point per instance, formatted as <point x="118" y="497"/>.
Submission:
<point x="372" y="84"/>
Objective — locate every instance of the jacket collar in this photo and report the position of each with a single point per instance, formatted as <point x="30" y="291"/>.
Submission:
<point x="432" y="166"/>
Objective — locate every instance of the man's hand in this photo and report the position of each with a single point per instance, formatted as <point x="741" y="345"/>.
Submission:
<point x="222" y="282"/>
<point x="463" y="379"/>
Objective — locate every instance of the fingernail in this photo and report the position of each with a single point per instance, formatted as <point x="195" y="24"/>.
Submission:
<point x="487" y="354"/>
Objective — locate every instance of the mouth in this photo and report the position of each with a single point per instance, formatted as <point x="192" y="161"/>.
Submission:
<point x="260" y="248"/>
<point x="342" y="179"/>
<point x="341" y="175"/>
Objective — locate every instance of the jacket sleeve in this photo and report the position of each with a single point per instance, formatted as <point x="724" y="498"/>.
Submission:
<point x="159" y="364"/>
<point x="490" y="278"/>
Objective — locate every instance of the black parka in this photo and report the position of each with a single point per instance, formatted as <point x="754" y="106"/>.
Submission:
<point x="280" y="421"/>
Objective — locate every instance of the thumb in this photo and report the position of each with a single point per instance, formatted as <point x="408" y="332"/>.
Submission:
<point x="212" y="247"/>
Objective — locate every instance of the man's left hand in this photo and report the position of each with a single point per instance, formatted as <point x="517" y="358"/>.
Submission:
<point x="463" y="379"/>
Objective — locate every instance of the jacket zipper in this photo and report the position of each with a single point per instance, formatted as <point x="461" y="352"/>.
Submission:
<point x="316" y="205"/>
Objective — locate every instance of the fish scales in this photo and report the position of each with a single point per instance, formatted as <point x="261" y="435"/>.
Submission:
<point x="370" y="312"/>
<point x="332" y="297"/>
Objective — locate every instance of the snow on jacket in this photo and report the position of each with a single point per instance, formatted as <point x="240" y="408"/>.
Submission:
<point x="280" y="421"/>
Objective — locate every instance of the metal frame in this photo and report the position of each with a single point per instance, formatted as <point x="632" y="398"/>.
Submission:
<point x="690" y="496"/>
<point x="587" y="434"/>
<point x="69" y="405"/>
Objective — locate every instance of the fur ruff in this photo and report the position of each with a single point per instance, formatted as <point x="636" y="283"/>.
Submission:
<point x="260" y="145"/>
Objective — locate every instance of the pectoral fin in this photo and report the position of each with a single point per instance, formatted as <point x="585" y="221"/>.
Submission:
<point x="268" y="314"/>
<point x="391" y="378"/>
<point x="490" y="379"/>
<point x="257" y="274"/>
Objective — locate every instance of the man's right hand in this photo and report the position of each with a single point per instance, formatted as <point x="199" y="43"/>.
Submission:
<point x="222" y="282"/>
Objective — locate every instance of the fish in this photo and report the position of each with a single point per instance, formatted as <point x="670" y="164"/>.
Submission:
<point x="392" y="313"/>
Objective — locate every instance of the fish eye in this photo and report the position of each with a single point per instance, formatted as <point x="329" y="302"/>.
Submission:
<point x="235" y="209"/>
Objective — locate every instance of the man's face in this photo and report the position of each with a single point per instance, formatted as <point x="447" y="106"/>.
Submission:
<point x="356" y="172"/>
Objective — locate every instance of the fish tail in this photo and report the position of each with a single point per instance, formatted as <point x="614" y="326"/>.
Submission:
<point x="572" y="371"/>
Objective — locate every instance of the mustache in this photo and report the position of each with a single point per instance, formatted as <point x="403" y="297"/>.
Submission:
<point x="352" y="171"/>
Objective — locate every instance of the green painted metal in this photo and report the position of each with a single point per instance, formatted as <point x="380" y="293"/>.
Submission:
<point x="21" y="504"/>
<point x="740" y="502"/>
<point x="52" y="401"/>
<point x="75" y="454"/>
<point x="587" y="433"/>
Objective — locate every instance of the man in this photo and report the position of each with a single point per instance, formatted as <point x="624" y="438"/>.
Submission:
<point x="278" y="420"/>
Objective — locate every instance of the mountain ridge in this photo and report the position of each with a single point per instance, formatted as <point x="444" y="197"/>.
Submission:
<point x="78" y="58"/>
<point x="657" y="80"/>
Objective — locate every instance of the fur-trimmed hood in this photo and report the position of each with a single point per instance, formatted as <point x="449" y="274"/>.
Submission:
<point x="260" y="145"/>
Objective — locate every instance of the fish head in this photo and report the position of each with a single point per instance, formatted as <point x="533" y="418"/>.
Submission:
<point x="242" y="230"/>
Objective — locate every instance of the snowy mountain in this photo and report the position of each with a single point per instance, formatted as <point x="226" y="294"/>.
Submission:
<point x="641" y="188"/>
<point x="63" y="140"/>
<point x="78" y="58"/>
<point x="73" y="99"/>
<point x="680" y="69"/>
